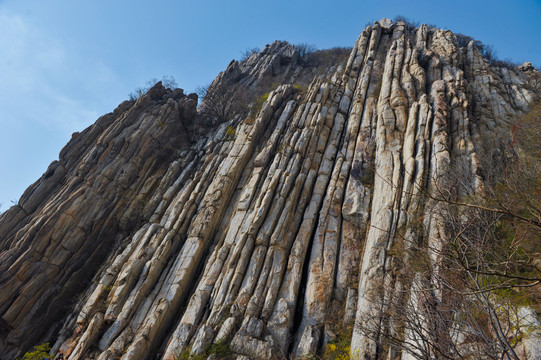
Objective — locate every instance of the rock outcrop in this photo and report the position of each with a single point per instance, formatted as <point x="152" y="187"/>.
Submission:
<point x="149" y="239"/>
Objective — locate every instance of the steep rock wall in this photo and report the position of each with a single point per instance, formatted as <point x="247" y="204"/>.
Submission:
<point x="83" y="207"/>
<point x="262" y="239"/>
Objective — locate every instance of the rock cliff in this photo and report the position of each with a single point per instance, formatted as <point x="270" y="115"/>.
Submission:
<point x="155" y="237"/>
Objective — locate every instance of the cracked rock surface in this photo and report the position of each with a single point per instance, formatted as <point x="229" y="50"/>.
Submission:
<point x="147" y="240"/>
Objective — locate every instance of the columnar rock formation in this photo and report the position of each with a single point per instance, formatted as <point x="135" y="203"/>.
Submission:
<point x="150" y="238"/>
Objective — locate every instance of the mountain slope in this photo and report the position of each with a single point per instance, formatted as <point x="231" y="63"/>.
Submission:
<point x="155" y="235"/>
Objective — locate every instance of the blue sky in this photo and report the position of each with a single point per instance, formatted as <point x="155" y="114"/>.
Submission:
<point x="63" y="63"/>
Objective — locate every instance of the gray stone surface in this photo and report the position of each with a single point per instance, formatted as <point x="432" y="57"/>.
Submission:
<point x="151" y="233"/>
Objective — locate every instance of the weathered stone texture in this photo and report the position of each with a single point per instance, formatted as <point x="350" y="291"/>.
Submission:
<point x="260" y="240"/>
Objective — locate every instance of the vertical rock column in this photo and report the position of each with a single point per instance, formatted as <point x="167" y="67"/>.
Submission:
<point x="201" y="230"/>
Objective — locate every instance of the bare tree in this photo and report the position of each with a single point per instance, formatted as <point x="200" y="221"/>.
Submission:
<point x="223" y="102"/>
<point x="246" y="53"/>
<point x="167" y="81"/>
<point x="463" y="297"/>
<point x="305" y="50"/>
<point x="464" y="305"/>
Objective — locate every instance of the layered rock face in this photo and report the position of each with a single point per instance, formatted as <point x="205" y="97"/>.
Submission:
<point x="150" y="238"/>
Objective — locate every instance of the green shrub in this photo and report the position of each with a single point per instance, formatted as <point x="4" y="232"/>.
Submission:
<point x="185" y="355"/>
<point x="230" y="133"/>
<point x="220" y="350"/>
<point x="300" y="88"/>
<point x="339" y="347"/>
<point x="40" y="352"/>
<point x="257" y="105"/>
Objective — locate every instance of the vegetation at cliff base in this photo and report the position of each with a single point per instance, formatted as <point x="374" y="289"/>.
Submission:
<point x="40" y="352"/>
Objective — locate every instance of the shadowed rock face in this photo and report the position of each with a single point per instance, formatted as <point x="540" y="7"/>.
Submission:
<point x="145" y="240"/>
<point x="84" y="207"/>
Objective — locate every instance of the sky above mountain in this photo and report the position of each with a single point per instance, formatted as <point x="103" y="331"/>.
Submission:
<point x="64" y="63"/>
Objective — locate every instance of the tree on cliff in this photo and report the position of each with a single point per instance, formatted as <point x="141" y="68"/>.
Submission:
<point x="167" y="81"/>
<point x="223" y="101"/>
<point x="473" y="295"/>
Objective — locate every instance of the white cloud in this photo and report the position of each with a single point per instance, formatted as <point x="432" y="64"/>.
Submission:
<point x="47" y="91"/>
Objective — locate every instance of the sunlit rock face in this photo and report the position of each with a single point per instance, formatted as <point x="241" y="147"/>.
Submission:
<point x="154" y="235"/>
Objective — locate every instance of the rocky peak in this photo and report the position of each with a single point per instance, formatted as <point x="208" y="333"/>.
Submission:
<point x="527" y="66"/>
<point x="278" y="63"/>
<point x="262" y="235"/>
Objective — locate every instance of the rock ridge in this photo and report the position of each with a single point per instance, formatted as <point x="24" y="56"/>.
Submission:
<point x="149" y="240"/>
